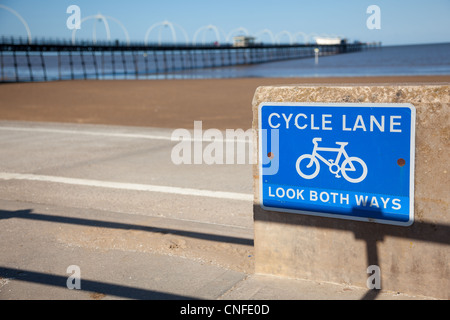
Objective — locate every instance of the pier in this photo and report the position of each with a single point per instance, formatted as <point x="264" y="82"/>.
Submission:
<point x="47" y="60"/>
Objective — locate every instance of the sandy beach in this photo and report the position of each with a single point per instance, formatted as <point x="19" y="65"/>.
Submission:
<point x="219" y="103"/>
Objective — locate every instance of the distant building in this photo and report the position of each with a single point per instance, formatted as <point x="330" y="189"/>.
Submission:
<point x="329" y="41"/>
<point x="243" y="41"/>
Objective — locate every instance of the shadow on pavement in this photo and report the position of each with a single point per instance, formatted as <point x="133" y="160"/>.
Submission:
<point x="88" y="285"/>
<point x="29" y="214"/>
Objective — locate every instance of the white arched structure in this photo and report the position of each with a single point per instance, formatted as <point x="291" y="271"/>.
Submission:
<point x="204" y="29"/>
<point x="268" y="32"/>
<point x="165" y="24"/>
<point x="240" y="29"/>
<point x="282" y="33"/>
<point x="25" y="24"/>
<point x="94" y="31"/>
<point x="104" y="19"/>
<point x="125" y="31"/>
<point x="303" y="35"/>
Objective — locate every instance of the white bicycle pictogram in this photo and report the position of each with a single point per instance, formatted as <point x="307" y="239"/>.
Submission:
<point x="333" y="164"/>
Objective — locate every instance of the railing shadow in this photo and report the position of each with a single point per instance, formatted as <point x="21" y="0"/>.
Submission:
<point x="30" y="215"/>
<point x="89" y="285"/>
<point x="371" y="233"/>
<point x="96" y="286"/>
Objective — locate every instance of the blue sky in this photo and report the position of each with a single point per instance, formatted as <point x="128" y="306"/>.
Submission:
<point x="402" y="22"/>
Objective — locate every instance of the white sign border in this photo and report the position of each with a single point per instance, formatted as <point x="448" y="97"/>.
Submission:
<point x="337" y="104"/>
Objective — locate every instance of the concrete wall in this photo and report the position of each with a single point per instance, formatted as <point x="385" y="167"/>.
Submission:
<point x="413" y="260"/>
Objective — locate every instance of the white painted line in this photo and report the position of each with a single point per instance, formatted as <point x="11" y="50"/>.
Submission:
<point x="92" y="133"/>
<point x="129" y="186"/>
<point x="120" y="135"/>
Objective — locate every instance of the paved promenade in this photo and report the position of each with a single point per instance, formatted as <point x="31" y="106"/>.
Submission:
<point x="109" y="202"/>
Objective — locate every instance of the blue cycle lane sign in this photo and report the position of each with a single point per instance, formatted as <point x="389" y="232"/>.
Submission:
<point x="350" y="161"/>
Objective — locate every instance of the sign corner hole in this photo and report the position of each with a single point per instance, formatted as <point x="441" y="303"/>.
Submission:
<point x="401" y="162"/>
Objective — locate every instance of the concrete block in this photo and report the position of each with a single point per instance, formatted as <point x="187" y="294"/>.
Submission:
<point x="413" y="259"/>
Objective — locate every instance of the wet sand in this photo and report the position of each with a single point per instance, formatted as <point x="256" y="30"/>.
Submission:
<point x="219" y="103"/>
